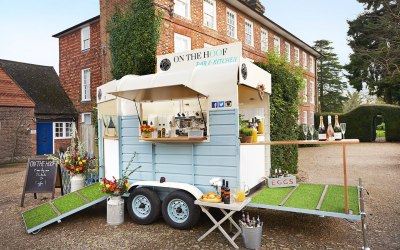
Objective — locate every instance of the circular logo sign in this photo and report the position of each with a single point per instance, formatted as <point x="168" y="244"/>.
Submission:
<point x="99" y="94"/>
<point x="165" y="64"/>
<point x="244" y="71"/>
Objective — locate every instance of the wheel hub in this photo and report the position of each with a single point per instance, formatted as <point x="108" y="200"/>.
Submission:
<point x="141" y="206"/>
<point x="178" y="210"/>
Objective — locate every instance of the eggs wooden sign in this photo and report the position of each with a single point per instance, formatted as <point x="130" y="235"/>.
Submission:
<point x="288" y="181"/>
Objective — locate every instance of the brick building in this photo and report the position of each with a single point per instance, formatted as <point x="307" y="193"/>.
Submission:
<point x="186" y="25"/>
<point x="35" y="113"/>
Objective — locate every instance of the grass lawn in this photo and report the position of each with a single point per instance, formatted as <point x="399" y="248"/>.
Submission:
<point x="68" y="202"/>
<point x="38" y="215"/>
<point x="306" y="196"/>
<point x="271" y="196"/>
<point x="334" y="200"/>
<point x="380" y="134"/>
<point x="92" y="192"/>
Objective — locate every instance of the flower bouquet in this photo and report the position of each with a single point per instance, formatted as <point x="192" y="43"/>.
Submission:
<point x="117" y="187"/>
<point x="146" y="131"/>
<point x="216" y="183"/>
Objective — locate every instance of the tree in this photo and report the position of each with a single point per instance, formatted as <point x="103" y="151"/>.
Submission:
<point x="330" y="84"/>
<point x="134" y="36"/>
<point x="374" y="37"/>
<point x="352" y="102"/>
<point x="287" y="82"/>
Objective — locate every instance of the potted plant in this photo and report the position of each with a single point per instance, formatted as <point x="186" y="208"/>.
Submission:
<point x="246" y="135"/>
<point x="146" y="131"/>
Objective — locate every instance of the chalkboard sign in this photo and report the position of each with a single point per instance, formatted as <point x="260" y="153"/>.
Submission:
<point x="40" y="177"/>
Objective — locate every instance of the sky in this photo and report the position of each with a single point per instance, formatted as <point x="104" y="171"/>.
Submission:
<point x="27" y="26"/>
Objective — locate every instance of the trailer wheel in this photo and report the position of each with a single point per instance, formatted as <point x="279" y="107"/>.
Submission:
<point x="179" y="210"/>
<point x="144" y="206"/>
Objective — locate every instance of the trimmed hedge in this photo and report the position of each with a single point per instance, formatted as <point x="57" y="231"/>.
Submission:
<point x="361" y="122"/>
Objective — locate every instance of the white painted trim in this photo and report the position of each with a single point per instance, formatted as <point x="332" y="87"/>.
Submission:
<point x="83" y="30"/>
<point x="279" y="44"/>
<point x="187" y="7"/>
<point x="214" y="17"/>
<point x="179" y="36"/>
<point x="267" y="40"/>
<point x="83" y="117"/>
<point x="82" y="82"/>
<point x="252" y="32"/>
<point x="236" y="27"/>
<point x="177" y="185"/>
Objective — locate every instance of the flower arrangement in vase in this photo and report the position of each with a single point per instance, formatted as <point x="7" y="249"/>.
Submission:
<point x="146" y="130"/>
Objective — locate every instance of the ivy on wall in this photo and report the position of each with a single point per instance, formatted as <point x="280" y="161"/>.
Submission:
<point x="134" y="35"/>
<point x="286" y="84"/>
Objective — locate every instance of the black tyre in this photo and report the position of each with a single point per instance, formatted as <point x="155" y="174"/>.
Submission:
<point x="179" y="210"/>
<point x="144" y="206"/>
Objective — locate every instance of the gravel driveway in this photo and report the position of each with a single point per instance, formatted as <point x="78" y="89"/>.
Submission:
<point x="377" y="163"/>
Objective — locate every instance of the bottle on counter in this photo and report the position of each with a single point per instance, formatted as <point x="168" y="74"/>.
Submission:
<point x="337" y="129"/>
<point x="223" y="190"/>
<point x="330" y="133"/>
<point x="321" y="130"/>
<point x="159" y="134"/>
<point x="254" y="134"/>
<point x="227" y="193"/>
<point x="163" y="131"/>
<point x="260" y="127"/>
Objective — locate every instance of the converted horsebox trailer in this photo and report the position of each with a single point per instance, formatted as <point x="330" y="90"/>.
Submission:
<point x="195" y="98"/>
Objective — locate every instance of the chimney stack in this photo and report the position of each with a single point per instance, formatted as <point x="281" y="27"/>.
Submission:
<point x="255" y="5"/>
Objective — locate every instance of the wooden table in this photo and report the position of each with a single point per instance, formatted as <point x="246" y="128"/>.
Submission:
<point x="315" y="142"/>
<point x="232" y="208"/>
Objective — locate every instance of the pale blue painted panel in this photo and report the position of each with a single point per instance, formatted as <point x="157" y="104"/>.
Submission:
<point x="146" y="167"/>
<point x="174" y="159"/>
<point x="183" y="178"/>
<point x="139" y="149"/>
<point x="215" y="150"/>
<point x="130" y="132"/>
<point x="205" y="180"/>
<point x="215" y="171"/>
<point x="175" y="149"/>
<point x="215" y="160"/>
<point x="222" y="112"/>
<point x="224" y="119"/>
<point x="132" y="140"/>
<point x="139" y="158"/>
<point x="174" y="169"/>
<point x="141" y="176"/>
<point x="205" y="188"/>
<point x="130" y="123"/>
<point x="223" y="140"/>
<point x="224" y="130"/>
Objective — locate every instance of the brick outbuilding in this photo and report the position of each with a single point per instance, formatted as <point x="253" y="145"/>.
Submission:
<point x="35" y="113"/>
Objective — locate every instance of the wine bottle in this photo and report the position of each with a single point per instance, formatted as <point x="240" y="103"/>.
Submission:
<point x="159" y="131"/>
<point x="337" y="130"/>
<point x="321" y="130"/>
<point x="227" y="193"/>
<point x="163" y="131"/>
<point x="223" y="190"/>
<point x="248" y="219"/>
<point x="258" y="221"/>
<point x="329" y="131"/>
<point x="243" y="217"/>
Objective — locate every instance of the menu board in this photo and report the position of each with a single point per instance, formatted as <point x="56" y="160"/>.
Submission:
<point x="40" y="177"/>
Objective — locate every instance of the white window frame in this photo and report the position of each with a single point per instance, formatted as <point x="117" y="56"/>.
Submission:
<point x="277" y="45"/>
<point x="305" y="117"/>
<point x="214" y="14"/>
<point x="287" y="51"/>
<point x="312" y="64"/>
<point x="182" y="37"/>
<point x="296" y="56"/>
<point x="312" y="92"/>
<point x="249" y="32"/>
<point x="264" y="40"/>
<point x="305" y="61"/>
<point x="63" y="130"/>
<point x="187" y="8"/>
<point x="228" y="11"/>
<point x="305" y="91"/>
<point x="83" y="118"/>
<point x="85" y="38"/>
<point x="85" y="86"/>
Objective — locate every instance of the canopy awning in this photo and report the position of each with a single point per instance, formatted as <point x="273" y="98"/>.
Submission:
<point x="158" y="87"/>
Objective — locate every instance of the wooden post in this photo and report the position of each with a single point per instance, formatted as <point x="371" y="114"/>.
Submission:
<point x="346" y="193"/>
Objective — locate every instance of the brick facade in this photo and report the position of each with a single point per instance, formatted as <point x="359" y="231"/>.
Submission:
<point x="200" y="34"/>
<point x="73" y="60"/>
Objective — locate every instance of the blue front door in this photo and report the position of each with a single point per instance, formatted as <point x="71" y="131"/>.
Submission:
<point x="44" y="138"/>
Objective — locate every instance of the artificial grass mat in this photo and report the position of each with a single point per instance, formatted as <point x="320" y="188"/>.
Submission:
<point x="307" y="196"/>
<point x="334" y="200"/>
<point x="38" y="215"/>
<point x="68" y="202"/>
<point x="271" y="196"/>
<point x="92" y="192"/>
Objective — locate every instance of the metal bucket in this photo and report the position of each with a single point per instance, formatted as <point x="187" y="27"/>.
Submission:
<point x="252" y="237"/>
<point x="115" y="210"/>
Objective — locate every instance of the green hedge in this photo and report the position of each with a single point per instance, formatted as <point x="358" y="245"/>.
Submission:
<point x="286" y="83"/>
<point x="361" y="122"/>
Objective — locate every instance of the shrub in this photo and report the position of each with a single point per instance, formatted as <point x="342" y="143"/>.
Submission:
<point x="361" y="122"/>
